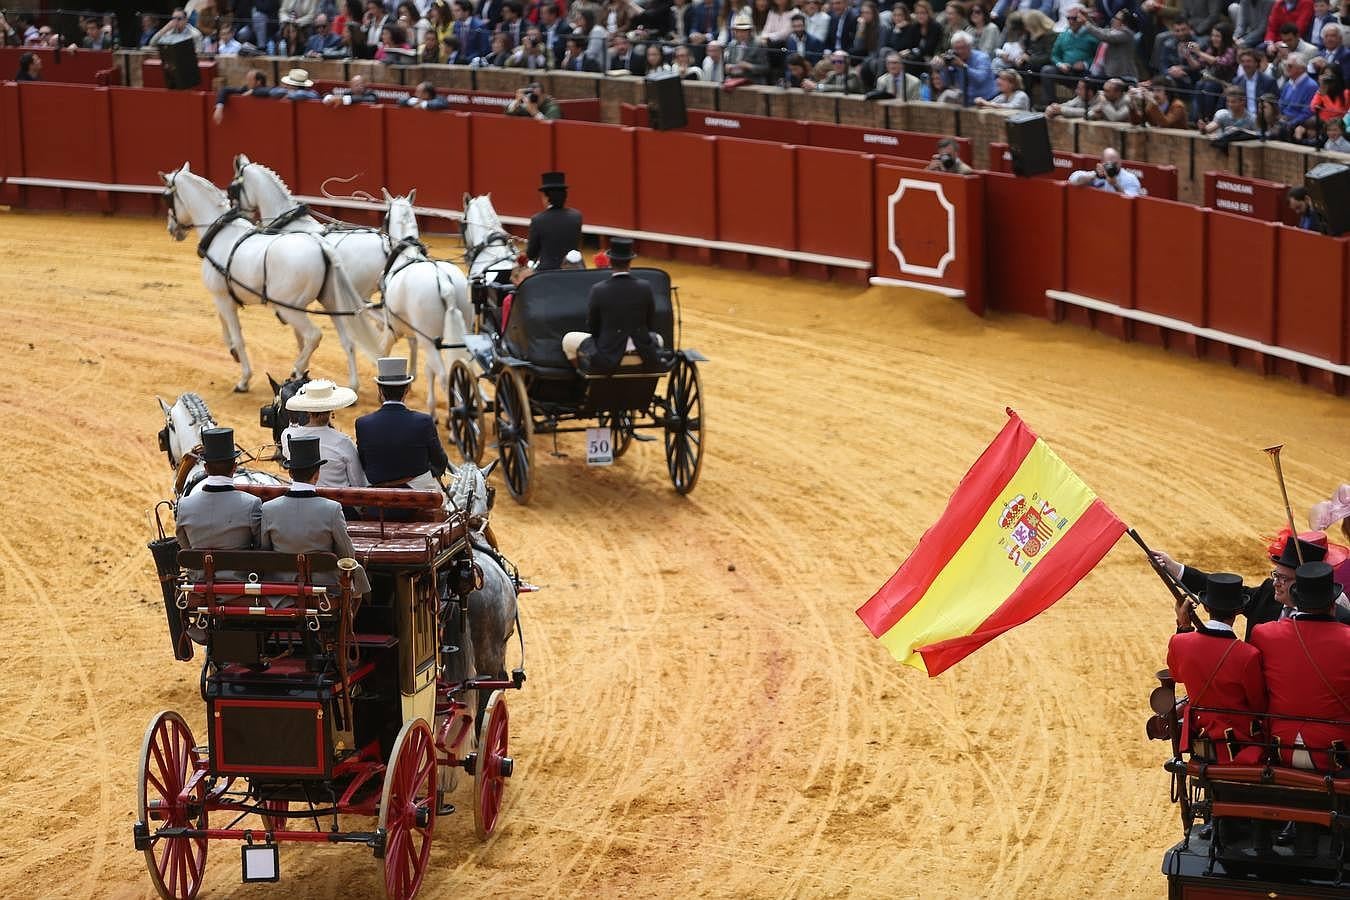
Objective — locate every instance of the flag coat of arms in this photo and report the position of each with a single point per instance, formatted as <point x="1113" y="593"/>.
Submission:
<point x="1020" y="531"/>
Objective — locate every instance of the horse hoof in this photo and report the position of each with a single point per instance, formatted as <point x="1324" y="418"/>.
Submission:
<point x="241" y="388"/>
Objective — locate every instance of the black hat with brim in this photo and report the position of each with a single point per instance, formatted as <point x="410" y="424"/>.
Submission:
<point x="304" y="454"/>
<point x="1315" y="586"/>
<point x="553" y="181"/>
<point x="1289" y="556"/>
<point x="621" y="249"/>
<point x="218" y="445"/>
<point x="1223" y="593"/>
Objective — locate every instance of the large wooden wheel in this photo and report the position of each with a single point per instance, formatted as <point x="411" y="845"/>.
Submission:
<point x="684" y="425"/>
<point x="168" y="758"/>
<point x="492" y="765"/>
<point x="408" y="810"/>
<point x="514" y="430"/>
<point x="465" y="414"/>
<point x="620" y="431"/>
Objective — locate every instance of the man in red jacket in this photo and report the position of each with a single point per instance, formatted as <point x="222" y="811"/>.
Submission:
<point x="1306" y="660"/>
<point x="1219" y="671"/>
<point x="1300" y="12"/>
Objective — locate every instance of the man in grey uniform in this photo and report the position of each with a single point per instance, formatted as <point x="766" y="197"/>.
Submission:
<point x="300" y="521"/>
<point x="216" y="516"/>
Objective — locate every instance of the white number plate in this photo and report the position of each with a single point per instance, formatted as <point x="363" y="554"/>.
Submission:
<point x="599" y="449"/>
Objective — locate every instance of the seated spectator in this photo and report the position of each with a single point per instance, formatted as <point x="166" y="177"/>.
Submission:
<point x="1232" y="118"/>
<point x="1109" y="176"/>
<point x="1305" y="216"/>
<point x="934" y="83"/>
<point x="871" y="41"/>
<point x="226" y="44"/>
<point x="353" y="43"/>
<point x="1290" y="44"/>
<point x="1270" y="123"/>
<point x="948" y="159"/>
<point x="895" y="82"/>
<point x="797" y="74"/>
<point x="533" y="102"/>
<point x="301" y="13"/>
<point x="922" y="39"/>
<point x="969" y="72"/>
<point x="452" y="54"/>
<point x="1112" y="104"/>
<point x="1335" y="134"/>
<point x="323" y="40"/>
<point x="1012" y="47"/>
<point x="1078" y="106"/>
<point x="1119" y="60"/>
<point x="472" y="32"/>
<point x="287" y="41"/>
<point x="1157" y="105"/>
<point x="1010" y="95"/>
<point x="255" y="85"/>
<point x="800" y="41"/>
<point x="429" y="50"/>
<point x="297" y="85"/>
<point x="1322" y="15"/>
<point x="424" y="97"/>
<point x="655" y="60"/>
<point x="373" y="22"/>
<point x="1038" y="45"/>
<point x="498" y="55"/>
<point x="576" y="59"/>
<point x="1177" y="57"/>
<point x="533" y="52"/>
<point x="1334" y="55"/>
<point x="1218" y="66"/>
<point x="842" y="27"/>
<point x="394" y="47"/>
<point x="985" y="33"/>
<point x="356" y="92"/>
<point x="1297" y="93"/>
<point x="745" y="57"/>
<point x="817" y="21"/>
<point x="1252" y="80"/>
<point x="1298" y="13"/>
<point x="624" y="58"/>
<point x="176" y="31"/>
<point x="1330" y="102"/>
<point x="1250" y="25"/>
<point x="841" y="79"/>
<point x="712" y="66"/>
<point x="149" y="28"/>
<point x="411" y="20"/>
<point x="1071" y="55"/>
<point x="96" y="36"/>
<point x="683" y="65"/>
<point x="30" y="67"/>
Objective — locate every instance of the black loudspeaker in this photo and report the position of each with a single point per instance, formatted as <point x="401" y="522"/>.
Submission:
<point x="1029" y="144"/>
<point x="665" y="101"/>
<point x="1328" y="188"/>
<point x="180" y="66"/>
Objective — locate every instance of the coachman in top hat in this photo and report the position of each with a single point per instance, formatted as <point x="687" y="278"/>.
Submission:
<point x="555" y="231"/>
<point x="216" y="516"/>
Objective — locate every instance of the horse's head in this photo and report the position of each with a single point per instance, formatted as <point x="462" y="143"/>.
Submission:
<point x="258" y="191"/>
<point x="183" y="424"/>
<point x="400" y="221"/>
<point x="471" y="494"/>
<point x="487" y="245"/>
<point x="192" y="201"/>
<point x="274" y="415"/>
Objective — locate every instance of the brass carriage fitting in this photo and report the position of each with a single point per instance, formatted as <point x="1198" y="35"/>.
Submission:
<point x="253" y="588"/>
<point x="347" y="564"/>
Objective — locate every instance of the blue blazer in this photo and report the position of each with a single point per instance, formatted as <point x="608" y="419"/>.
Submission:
<point x="395" y="444"/>
<point x="833" y="37"/>
<point x="810" y="48"/>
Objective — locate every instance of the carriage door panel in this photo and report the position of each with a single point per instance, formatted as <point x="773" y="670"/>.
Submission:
<point x="416" y="614"/>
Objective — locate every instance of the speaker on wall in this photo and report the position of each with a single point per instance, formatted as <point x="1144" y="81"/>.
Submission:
<point x="1328" y="187"/>
<point x="665" y="101"/>
<point x="180" y="66"/>
<point x="1029" y="144"/>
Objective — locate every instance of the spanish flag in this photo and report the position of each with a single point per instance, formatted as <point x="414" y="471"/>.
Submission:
<point x="1019" y="532"/>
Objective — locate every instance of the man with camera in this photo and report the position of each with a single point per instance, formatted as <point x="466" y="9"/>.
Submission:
<point x="969" y="70"/>
<point x="947" y="159"/>
<point x="533" y="102"/>
<point x="1108" y="176"/>
<point x="532" y="53"/>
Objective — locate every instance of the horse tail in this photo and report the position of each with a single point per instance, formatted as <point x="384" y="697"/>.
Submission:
<point x="344" y="298"/>
<point x="454" y="325"/>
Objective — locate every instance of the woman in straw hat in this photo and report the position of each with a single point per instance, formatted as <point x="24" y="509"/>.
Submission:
<point x="319" y="399"/>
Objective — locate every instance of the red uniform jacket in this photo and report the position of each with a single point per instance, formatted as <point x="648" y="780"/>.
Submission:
<point x="1220" y="671"/>
<point x="1310" y="677"/>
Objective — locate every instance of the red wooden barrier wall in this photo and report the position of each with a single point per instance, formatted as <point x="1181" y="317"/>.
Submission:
<point x="1099" y="258"/>
<point x="1310" y="310"/>
<point x="1241" y="276"/>
<point x="262" y="129"/>
<point x="676" y="183"/>
<point x="508" y="154"/>
<point x="441" y="177"/>
<point x="1024" y="260"/>
<point x="343" y="141"/>
<point x="930" y="229"/>
<point x="605" y="193"/>
<point x="835" y="213"/>
<point x="750" y="128"/>
<point x="79" y="67"/>
<point x="746" y="214"/>
<point x="1169" y="281"/>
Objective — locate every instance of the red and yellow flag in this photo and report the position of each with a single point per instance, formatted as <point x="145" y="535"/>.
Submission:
<point x="1019" y="532"/>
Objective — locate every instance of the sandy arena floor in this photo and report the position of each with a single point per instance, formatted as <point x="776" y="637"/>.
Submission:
<point x="688" y="729"/>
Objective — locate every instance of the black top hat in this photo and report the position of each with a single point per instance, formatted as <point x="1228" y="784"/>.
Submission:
<point x="1289" y="556"/>
<point x="621" y="249"/>
<point x="553" y="181"/>
<point x="218" y="445"/>
<point x="1223" y="593"/>
<point x="1314" y="586"/>
<point x="304" y="454"/>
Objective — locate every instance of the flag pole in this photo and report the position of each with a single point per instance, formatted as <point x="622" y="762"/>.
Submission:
<point x="1179" y="591"/>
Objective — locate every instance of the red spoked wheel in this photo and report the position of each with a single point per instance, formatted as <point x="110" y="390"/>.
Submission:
<point x="168" y="758"/>
<point x="408" y="810"/>
<point x="492" y="766"/>
<point x="272" y="822"/>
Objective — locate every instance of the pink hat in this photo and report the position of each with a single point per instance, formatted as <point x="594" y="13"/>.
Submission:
<point x="1331" y="511"/>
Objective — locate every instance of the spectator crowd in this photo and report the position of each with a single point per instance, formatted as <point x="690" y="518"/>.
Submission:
<point x="1251" y="69"/>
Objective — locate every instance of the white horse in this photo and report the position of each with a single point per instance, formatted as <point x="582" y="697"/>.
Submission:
<point x="488" y="248"/>
<point x="181" y="440"/>
<point x="260" y="192"/>
<point x="240" y="265"/>
<point x="425" y="300"/>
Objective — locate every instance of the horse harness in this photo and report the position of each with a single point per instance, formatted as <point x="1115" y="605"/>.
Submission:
<point x="392" y="268"/>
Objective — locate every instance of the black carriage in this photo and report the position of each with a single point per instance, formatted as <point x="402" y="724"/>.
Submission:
<point x="321" y="708"/>
<point x="538" y="391"/>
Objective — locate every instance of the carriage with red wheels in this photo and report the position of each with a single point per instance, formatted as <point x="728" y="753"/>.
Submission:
<point x="329" y="720"/>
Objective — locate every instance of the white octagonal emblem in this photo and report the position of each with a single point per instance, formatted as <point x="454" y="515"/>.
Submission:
<point x="948" y="255"/>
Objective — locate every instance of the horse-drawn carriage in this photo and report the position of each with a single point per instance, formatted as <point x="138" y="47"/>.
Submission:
<point x="537" y="390"/>
<point x="1244" y="806"/>
<point x="322" y="707"/>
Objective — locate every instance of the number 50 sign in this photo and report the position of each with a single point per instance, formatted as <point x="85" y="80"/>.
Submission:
<point x="599" y="447"/>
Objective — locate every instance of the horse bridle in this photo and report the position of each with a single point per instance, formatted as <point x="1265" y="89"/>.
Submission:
<point x="500" y="238"/>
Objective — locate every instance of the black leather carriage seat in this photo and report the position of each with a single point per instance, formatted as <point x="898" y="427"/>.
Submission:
<point x="549" y="304"/>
